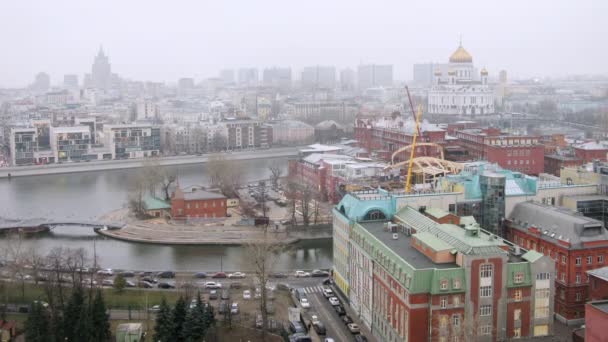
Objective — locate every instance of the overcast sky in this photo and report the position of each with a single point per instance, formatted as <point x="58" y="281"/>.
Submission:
<point x="165" y="40"/>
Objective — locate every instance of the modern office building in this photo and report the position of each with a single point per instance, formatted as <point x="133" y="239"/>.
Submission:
<point x="243" y="134"/>
<point x="576" y="243"/>
<point x="70" y="143"/>
<point x="277" y="77"/>
<point x="248" y="77"/>
<point x="492" y="186"/>
<point x="410" y="278"/>
<point x="374" y="75"/>
<point x="315" y="77"/>
<point x="132" y="140"/>
<point x="348" y="79"/>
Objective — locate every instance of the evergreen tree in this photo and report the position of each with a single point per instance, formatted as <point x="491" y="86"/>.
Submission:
<point x="194" y="326"/>
<point x="77" y="321"/>
<point x="163" y="329"/>
<point x="119" y="283"/>
<point x="179" y="317"/>
<point x="100" y="320"/>
<point x="57" y="326"/>
<point x="37" y="324"/>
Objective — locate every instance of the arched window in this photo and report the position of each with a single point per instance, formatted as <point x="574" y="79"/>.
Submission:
<point x="374" y="214"/>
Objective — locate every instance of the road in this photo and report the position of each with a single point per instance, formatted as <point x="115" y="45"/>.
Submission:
<point x="320" y="306"/>
<point x="35" y="170"/>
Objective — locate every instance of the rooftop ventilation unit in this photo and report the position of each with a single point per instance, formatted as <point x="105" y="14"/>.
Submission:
<point x="395" y="236"/>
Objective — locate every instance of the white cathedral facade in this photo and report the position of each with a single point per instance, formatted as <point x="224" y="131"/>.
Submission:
<point x="460" y="92"/>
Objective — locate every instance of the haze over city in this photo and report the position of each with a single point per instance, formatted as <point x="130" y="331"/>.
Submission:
<point x="158" y="41"/>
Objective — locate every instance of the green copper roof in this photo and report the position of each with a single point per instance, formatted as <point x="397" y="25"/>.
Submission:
<point x="515" y="268"/>
<point x="432" y="241"/>
<point x="531" y="256"/>
<point x="436" y="212"/>
<point x="154" y="203"/>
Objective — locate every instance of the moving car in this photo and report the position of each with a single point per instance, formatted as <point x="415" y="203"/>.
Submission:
<point x="234" y="309"/>
<point x="236" y="275"/>
<point x="213" y="285"/>
<point x="219" y="275"/>
<point x="319" y="328"/>
<point x="334" y="301"/>
<point x="301" y="274"/>
<point x="327" y="293"/>
<point x="305" y="303"/>
<point x="319" y="273"/>
<point x="213" y="294"/>
<point x="353" y="328"/>
<point x="329" y="339"/>
<point x="278" y="275"/>
<point x="246" y="294"/>
<point x="200" y="275"/>
<point x="166" y="274"/>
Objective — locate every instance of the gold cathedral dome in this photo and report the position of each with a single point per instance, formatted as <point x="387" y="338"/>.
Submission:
<point x="461" y="56"/>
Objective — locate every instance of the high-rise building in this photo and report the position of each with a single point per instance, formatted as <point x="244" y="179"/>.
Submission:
<point x="319" y="77"/>
<point x="227" y="76"/>
<point x="248" y="76"/>
<point x="423" y="72"/>
<point x="373" y="75"/>
<point x="348" y="79"/>
<point x="42" y="82"/>
<point x="70" y="81"/>
<point x="277" y="77"/>
<point x="147" y="110"/>
<point x="101" y="71"/>
<point x="492" y="186"/>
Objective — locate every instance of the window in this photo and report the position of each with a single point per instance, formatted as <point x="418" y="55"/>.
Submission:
<point x="517" y="295"/>
<point x="485" y="291"/>
<point x="541" y="312"/>
<point x="543" y="276"/>
<point x="589" y="260"/>
<point x="578" y="278"/>
<point x="196" y="205"/>
<point x="518" y="278"/>
<point x="600" y="259"/>
<point x="456" y="283"/>
<point x="578" y="296"/>
<point x="485" y="310"/>
<point x="517" y="332"/>
<point x="486" y="270"/>
<point x="187" y="205"/>
<point x="444" y="302"/>
<point x="442" y="339"/>
<point x="542" y="249"/>
<point x="563" y="277"/>
<point x="578" y="261"/>
<point x="563" y="259"/>
<point x="443" y="321"/>
<point x="485" y="330"/>
<point x="456" y="300"/>
<point x="541" y="330"/>
<point x="443" y="284"/>
<point x="516" y="314"/>
<point x="455" y="321"/>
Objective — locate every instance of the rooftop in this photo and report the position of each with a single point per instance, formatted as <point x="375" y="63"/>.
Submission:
<point x="202" y="195"/>
<point x="155" y="203"/>
<point x="402" y="247"/>
<point x="601" y="273"/>
<point x="600" y="305"/>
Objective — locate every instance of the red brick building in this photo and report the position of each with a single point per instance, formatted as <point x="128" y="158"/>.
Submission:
<point x="197" y="203"/>
<point x="598" y="283"/>
<point x="554" y="163"/>
<point x="596" y="321"/>
<point x="517" y="153"/>
<point x="589" y="151"/>
<point x="576" y="243"/>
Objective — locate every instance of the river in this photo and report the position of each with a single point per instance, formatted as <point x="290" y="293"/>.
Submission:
<point x="87" y="195"/>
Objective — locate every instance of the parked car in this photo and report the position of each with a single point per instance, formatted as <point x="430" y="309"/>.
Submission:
<point x="314" y="319"/>
<point x="246" y="294"/>
<point x="283" y="286"/>
<point x="219" y="275"/>
<point x="353" y="328"/>
<point x="360" y="338"/>
<point x="213" y="294"/>
<point x="165" y="286"/>
<point x="222" y="307"/>
<point x="166" y="274"/>
<point x="145" y="285"/>
<point x="340" y="310"/>
<point x="329" y="339"/>
<point x="235" y="285"/>
<point x="319" y="328"/>
<point x="334" y="301"/>
<point x="327" y="293"/>
<point x="128" y="274"/>
<point x="155" y="308"/>
<point x="347" y="320"/>
<point x="200" y="275"/>
<point x="234" y="309"/>
<point x="236" y="275"/>
<point x="319" y="273"/>
<point x="107" y="282"/>
<point x="129" y="283"/>
<point x="278" y="275"/>
<point x="296" y="327"/>
<point x="299" y="337"/>
<point x="301" y="274"/>
<point x="146" y="274"/>
<point x="213" y="285"/>
<point x="106" y="272"/>
<point x="327" y="281"/>
<point x="305" y="303"/>
<point x="149" y="280"/>
<point x="225" y="294"/>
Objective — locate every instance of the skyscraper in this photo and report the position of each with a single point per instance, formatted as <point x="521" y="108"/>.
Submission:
<point x="42" y="82"/>
<point x="347" y="79"/>
<point x="248" y="76"/>
<point x="373" y="75"/>
<point x="101" y="71"/>
<point x="277" y="77"/>
<point x="319" y="77"/>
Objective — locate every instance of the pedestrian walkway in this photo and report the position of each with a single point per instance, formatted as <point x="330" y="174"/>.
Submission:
<point x="313" y="289"/>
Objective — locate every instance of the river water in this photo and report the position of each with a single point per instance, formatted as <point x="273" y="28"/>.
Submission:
<point x="87" y="195"/>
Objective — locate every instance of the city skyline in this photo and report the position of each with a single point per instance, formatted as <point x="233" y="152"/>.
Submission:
<point x="510" y="38"/>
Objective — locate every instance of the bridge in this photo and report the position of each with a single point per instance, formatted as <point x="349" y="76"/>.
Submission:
<point x="40" y="224"/>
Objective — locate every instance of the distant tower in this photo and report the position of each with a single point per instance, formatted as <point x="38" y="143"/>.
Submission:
<point x="101" y="71"/>
<point x="42" y="82"/>
<point x="484" y="76"/>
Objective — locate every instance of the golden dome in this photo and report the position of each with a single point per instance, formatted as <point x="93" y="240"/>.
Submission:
<point x="461" y="56"/>
<point x="484" y="72"/>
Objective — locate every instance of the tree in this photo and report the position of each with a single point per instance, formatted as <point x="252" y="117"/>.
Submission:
<point x="168" y="179"/>
<point x="292" y="198"/>
<point x="219" y="142"/>
<point x="263" y="256"/>
<point x="179" y="317"/>
<point x="77" y="321"/>
<point x="119" y="283"/>
<point x="36" y="326"/>
<point x="275" y="173"/>
<point x="100" y="320"/>
<point x="195" y="325"/>
<point x="224" y="174"/>
<point x="164" y="329"/>
<point x="305" y="197"/>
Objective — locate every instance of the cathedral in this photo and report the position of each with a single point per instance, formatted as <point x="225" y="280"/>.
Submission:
<point x="460" y="92"/>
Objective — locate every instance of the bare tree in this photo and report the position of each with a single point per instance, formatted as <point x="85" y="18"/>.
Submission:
<point x="305" y="198"/>
<point x="262" y="256"/>
<point x="291" y="194"/>
<point x="16" y="259"/>
<point x="275" y="173"/>
<point x="136" y="196"/>
<point x="168" y="179"/>
<point x="225" y="174"/>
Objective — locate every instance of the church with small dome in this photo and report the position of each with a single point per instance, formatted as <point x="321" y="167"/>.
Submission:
<point x="460" y="92"/>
